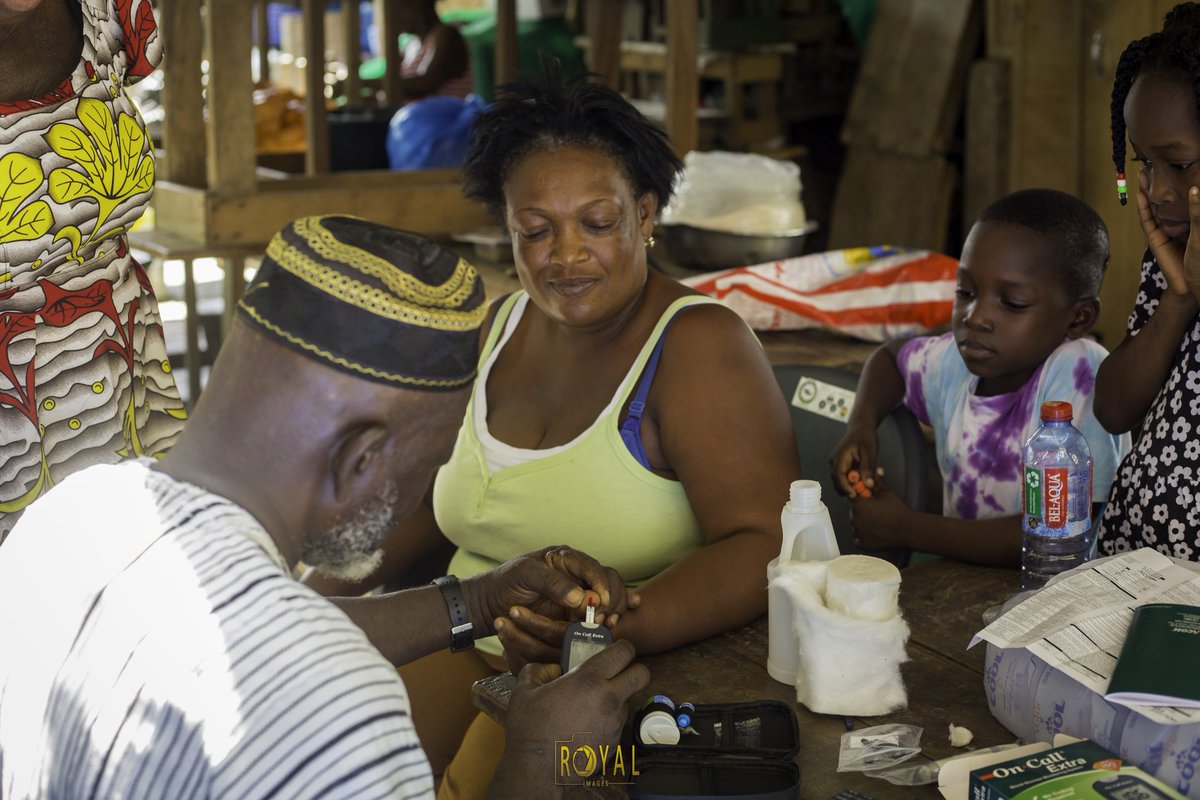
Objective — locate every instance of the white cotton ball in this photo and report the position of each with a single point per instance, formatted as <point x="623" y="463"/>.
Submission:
<point x="959" y="736"/>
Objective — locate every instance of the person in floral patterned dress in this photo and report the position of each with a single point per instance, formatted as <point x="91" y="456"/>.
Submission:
<point x="84" y="376"/>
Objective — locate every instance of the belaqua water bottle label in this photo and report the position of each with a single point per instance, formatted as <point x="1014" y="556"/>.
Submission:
<point x="1048" y="501"/>
<point x="1054" y="497"/>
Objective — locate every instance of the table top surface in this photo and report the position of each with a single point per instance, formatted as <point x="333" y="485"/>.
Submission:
<point x="943" y="602"/>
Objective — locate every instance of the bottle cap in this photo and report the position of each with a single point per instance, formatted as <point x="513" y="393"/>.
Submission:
<point x="659" y="727"/>
<point x="805" y="495"/>
<point x="1056" y="411"/>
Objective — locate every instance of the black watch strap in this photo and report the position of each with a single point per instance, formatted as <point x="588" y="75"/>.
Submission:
<point x="462" y="631"/>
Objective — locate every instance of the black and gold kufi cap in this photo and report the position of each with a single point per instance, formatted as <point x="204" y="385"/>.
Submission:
<point x="380" y="303"/>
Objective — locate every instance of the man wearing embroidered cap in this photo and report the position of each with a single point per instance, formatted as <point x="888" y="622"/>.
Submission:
<point x="181" y="659"/>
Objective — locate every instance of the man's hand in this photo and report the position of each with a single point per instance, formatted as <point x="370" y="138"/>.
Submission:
<point x="554" y="583"/>
<point x="546" y="708"/>
<point x="529" y="637"/>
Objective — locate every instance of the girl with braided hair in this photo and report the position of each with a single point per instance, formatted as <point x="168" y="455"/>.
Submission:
<point x="1153" y="377"/>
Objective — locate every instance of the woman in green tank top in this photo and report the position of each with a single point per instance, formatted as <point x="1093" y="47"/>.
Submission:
<point x="682" y="496"/>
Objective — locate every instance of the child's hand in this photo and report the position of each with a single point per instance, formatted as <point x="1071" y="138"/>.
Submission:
<point x="1180" y="265"/>
<point x="857" y="451"/>
<point x="880" y="521"/>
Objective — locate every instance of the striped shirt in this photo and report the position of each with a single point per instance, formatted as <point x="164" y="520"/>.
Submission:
<point x="177" y="658"/>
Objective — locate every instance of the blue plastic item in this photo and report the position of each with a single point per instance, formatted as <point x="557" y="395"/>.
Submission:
<point x="431" y="133"/>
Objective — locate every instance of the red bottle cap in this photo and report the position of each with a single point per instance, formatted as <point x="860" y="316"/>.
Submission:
<point x="1056" y="411"/>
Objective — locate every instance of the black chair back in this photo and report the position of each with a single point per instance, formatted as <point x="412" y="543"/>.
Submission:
<point x="903" y="449"/>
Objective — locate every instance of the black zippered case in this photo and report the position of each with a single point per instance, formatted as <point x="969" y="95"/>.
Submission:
<point x="740" y="751"/>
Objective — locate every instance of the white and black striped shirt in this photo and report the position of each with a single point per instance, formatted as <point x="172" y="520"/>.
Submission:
<point x="175" y="657"/>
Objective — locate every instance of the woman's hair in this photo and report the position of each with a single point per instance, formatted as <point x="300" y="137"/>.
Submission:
<point x="1175" y="51"/>
<point x="556" y="111"/>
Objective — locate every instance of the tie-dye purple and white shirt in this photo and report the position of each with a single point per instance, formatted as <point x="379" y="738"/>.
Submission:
<point x="979" y="439"/>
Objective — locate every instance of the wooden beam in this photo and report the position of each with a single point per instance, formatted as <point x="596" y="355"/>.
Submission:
<point x="682" y="81"/>
<point x="1047" y="82"/>
<point x="391" y="51"/>
<point x="183" y="125"/>
<point x="316" y="118"/>
<point x="181" y="210"/>
<point x="887" y="198"/>
<point x="908" y="95"/>
<point x="604" y="37"/>
<point x="506" y="41"/>
<point x="429" y="202"/>
<point x="230" y="134"/>
<point x="988" y="127"/>
<point x="351" y="33"/>
<point x="262" y="44"/>
<point x="431" y="209"/>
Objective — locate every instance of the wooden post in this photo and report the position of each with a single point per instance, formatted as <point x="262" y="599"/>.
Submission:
<point x="230" y="134"/>
<point x="683" y="80"/>
<point x="183" y="127"/>
<point x="506" y="41"/>
<point x="985" y="162"/>
<point x="316" y="119"/>
<point x="604" y="38"/>
<point x="391" y="52"/>
<point x="351" y="31"/>
<point x="262" y="35"/>
<point x="1047" y="79"/>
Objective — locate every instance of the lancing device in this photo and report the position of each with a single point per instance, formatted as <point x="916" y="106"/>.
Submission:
<point x="584" y="639"/>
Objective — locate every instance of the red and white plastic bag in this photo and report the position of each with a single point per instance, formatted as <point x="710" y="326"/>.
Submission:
<point x="873" y="293"/>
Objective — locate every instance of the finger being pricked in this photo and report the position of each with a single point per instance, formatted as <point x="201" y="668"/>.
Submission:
<point x="604" y="583"/>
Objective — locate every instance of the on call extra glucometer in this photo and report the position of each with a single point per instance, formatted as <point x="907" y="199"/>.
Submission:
<point x="584" y="639"/>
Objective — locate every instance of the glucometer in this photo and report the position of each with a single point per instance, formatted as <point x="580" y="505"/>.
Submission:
<point x="1127" y="787"/>
<point x="584" y="639"/>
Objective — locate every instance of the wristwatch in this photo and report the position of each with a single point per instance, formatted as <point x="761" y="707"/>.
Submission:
<point x="462" y="631"/>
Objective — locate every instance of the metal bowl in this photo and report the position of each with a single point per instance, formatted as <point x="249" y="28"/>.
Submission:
<point x="710" y="250"/>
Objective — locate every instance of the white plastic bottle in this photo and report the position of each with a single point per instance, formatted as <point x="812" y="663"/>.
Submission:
<point x="807" y="536"/>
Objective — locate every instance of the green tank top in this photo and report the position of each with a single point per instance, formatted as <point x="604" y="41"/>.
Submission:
<point x="592" y="495"/>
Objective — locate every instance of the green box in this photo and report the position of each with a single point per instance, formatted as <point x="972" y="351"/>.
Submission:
<point x="1079" y="771"/>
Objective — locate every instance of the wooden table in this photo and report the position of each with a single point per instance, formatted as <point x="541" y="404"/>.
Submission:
<point x="942" y="601"/>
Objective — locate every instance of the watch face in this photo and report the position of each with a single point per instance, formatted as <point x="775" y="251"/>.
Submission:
<point x="1127" y="787"/>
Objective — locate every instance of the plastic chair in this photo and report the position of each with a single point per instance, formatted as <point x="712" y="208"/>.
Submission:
<point x="903" y="451"/>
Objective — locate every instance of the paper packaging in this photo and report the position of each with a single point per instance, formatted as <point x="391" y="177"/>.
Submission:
<point x="1077" y="623"/>
<point x="1079" y="771"/>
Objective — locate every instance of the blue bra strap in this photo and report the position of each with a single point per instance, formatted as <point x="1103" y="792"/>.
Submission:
<point x="631" y="428"/>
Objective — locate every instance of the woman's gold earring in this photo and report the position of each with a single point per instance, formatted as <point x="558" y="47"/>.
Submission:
<point x="649" y="242"/>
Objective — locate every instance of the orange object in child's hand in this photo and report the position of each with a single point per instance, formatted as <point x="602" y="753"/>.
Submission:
<point x="861" y="489"/>
<point x="853" y="477"/>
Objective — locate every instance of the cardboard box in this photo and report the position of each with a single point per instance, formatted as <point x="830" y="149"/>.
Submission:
<point x="1080" y="771"/>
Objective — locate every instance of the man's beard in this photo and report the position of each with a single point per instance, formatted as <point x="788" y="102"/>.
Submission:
<point x="349" y="549"/>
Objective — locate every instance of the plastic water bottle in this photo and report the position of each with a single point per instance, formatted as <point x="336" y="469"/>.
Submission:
<point x="1057" y="520"/>
<point x="807" y="536"/>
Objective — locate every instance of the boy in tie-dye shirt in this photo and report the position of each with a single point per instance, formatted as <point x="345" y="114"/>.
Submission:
<point x="1026" y="296"/>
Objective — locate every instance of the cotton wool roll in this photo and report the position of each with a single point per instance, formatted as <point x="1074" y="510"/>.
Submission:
<point x="863" y="587"/>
